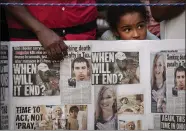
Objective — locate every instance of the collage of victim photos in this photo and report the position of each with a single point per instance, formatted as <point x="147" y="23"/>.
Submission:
<point x="85" y="73"/>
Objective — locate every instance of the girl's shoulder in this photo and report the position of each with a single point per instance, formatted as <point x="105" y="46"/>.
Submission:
<point x="151" y="36"/>
<point x="108" y="35"/>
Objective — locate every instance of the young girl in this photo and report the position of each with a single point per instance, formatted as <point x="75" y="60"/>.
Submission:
<point x="127" y="22"/>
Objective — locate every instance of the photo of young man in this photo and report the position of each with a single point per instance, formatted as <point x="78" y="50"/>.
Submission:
<point x="80" y="69"/>
<point x="179" y="77"/>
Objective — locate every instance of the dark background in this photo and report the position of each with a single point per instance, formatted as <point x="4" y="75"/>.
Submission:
<point x="3" y="26"/>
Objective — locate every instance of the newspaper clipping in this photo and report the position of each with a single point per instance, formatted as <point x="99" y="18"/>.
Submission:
<point x="115" y="68"/>
<point x="76" y="117"/>
<point x="175" y="75"/>
<point x="33" y="73"/>
<point x="42" y="117"/>
<point x="158" y="83"/>
<point x="168" y="82"/>
<point x="169" y="122"/>
<point x="76" y="78"/>
<point x="105" y="107"/>
<point x="130" y="104"/>
<point x="4" y="87"/>
<point x="3" y="72"/>
<point x="4" y="116"/>
<point x="127" y="123"/>
<point x="168" y="89"/>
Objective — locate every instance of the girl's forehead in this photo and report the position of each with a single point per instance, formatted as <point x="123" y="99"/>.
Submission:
<point x="160" y="58"/>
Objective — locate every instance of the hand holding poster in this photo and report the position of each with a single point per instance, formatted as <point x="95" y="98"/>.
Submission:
<point x="33" y="73"/>
<point x="107" y="98"/>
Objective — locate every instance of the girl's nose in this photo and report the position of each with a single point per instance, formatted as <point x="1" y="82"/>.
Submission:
<point x="136" y="34"/>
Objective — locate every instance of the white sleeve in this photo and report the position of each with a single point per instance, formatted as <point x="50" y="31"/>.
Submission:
<point x="108" y="35"/>
<point x="151" y="36"/>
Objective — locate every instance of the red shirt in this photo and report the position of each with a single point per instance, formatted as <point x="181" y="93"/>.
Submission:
<point x="61" y="16"/>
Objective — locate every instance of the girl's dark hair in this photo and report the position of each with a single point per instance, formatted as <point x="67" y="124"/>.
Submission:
<point x="115" y="12"/>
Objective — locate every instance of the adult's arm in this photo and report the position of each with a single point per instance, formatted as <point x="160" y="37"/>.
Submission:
<point x="52" y="43"/>
<point x="160" y="13"/>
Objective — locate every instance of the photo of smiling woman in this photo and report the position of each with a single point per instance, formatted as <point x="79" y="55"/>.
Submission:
<point x="158" y="84"/>
<point x="106" y="108"/>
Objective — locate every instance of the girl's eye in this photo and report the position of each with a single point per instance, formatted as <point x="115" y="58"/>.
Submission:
<point x="141" y="26"/>
<point x="127" y="30"/>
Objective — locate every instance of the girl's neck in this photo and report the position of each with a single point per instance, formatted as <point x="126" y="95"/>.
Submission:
<point x="107" y="114"/>
<point x="159" y="81"/>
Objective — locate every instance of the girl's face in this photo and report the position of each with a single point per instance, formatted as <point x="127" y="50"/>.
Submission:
<point x="159" y="67"/>
<point x="132" y="26"/>
<point x="107" y="100"/>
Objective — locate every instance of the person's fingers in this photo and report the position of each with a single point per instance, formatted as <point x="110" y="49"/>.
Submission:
<point x="64" y="48"/>
<point x="49" y="54"/>
<point x="65" y="53"/>
<point x="53" y="54"/>
<point x="57" y="48"/>
<point x="56" y="53"/>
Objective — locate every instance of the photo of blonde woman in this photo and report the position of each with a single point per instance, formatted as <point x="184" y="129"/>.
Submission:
<point x="158" y="84"/>
<point x="106" y="108"/>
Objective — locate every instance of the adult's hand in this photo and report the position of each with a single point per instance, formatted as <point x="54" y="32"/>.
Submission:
<point x="53" y="44"/>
